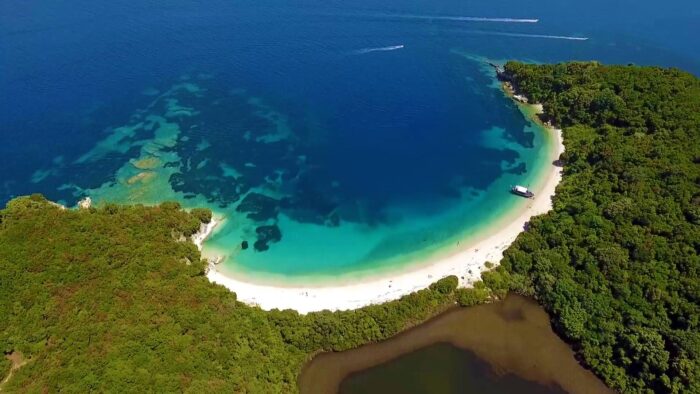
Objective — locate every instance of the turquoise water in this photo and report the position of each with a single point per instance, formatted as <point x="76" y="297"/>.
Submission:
<point x="335" y="139"/>
<point x="167" y="153"/>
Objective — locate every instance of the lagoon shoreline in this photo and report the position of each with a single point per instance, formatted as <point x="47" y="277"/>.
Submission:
<point x="467" y="263"/>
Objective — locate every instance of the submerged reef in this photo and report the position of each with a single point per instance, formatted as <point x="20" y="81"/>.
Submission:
<point x="202" y="145"/>
<point x="267" y="235"/>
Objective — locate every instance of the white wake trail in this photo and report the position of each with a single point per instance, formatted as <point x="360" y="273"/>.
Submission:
<point x="462" y="18"/>
<point x="526" y="35"/>
<point x="379" y="49"/>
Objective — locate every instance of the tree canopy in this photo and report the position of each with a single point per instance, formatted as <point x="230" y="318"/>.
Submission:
<point x="114" y="300"/>
<point x="616" y="262"/>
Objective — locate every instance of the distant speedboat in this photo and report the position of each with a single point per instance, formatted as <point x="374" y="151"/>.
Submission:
<point x="522" y="191"/>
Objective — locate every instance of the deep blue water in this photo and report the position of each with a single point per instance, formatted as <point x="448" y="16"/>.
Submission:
<point x="322" y="128"/>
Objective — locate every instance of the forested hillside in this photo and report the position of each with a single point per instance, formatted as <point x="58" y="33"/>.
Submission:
<point x="616" y="263"/>
<point x="114" y="300"/>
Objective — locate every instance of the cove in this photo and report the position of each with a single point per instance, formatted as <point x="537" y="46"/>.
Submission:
<point x="503" y="347"/>
<point x="361" y="153"/>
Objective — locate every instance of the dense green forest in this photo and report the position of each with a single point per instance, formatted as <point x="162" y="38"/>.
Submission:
<point x="616" y="262"/>
<point x="113" y="299"/>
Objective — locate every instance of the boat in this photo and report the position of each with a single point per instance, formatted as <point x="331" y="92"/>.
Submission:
<point x="522" y="191"/>
<point x="520" y="98"/>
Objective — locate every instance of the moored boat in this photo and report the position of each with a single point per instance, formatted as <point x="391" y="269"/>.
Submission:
<point x="522" y="191"/>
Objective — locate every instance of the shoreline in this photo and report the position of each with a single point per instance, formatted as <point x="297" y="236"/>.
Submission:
<point x="467" y="263"/>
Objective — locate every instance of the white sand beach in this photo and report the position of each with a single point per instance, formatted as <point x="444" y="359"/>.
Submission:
<point x="467" y="264"/>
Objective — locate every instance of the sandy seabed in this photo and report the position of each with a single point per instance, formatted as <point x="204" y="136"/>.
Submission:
<point x="467" y="264"/>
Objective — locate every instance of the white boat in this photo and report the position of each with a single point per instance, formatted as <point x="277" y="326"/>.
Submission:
<point x="520" y="98"/>
<point x="522" y="191"/>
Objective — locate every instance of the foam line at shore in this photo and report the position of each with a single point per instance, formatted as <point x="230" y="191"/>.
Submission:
<point x="204" y="232"/>
<point x="527" y="35"/>
<point x="379" y="49"/>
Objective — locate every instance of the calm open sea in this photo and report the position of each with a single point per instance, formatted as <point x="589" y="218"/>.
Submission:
<point x="335" y="136"/>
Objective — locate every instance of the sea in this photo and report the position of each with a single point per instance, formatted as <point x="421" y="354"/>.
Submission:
<point x="334" y="138"/>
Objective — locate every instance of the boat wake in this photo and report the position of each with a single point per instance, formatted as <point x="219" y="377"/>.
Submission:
<point x="526" y="35"/>
<point x="460" y="18"/>
<point x="379" y="49"/>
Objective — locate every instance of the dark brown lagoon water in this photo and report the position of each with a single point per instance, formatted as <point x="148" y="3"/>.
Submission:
<point x="505" y="347"/>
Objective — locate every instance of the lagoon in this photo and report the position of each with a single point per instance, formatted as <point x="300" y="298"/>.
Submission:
<point x="504" y="347"/>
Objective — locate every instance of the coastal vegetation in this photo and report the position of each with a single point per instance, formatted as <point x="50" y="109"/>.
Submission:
<point x="616" y="262"/>
<point x="5" y="365"/>
<point x="114" y="298"/>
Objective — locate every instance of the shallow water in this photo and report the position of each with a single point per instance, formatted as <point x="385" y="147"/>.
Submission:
<point x="505" y="347"/>
<point x="336" y="138"/>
